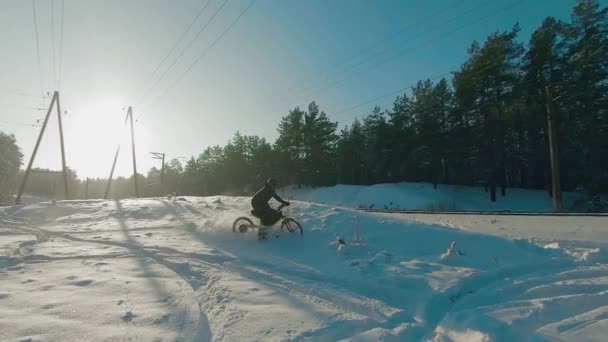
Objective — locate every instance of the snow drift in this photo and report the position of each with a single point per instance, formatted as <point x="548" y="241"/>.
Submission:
<point x="422" y="196"/>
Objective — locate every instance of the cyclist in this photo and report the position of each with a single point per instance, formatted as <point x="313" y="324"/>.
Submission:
<point x="259" y="202"/>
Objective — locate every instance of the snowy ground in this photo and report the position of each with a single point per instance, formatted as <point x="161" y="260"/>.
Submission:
<point x="540" y="229"/>
<point x="422" y="196"/>
<point x="158" y="270"/>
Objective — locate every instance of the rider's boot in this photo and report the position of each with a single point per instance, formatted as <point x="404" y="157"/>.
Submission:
<point x="262" y="233"/>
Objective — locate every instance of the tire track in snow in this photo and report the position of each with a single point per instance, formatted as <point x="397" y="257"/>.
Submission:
<point x="559" y="297"/>
<point x="202" y="331"/>
<point x="441" y="306"/>
<point x="315" y="289"/>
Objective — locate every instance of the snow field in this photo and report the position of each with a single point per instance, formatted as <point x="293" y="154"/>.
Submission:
<point x="158" y="270"/>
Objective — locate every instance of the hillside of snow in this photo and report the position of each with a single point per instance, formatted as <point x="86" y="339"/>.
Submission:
<point x="159" y="270"/>
<point x="422" y="196"/>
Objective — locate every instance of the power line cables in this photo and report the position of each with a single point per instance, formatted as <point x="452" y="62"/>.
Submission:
<point x="474" y="72"/>
<point x="162" y="76"/>
<point x="202" y="55"/>
<point x="181" y="37"/>
<point x="61" y="45"/>
<point x="391" y="36"/>
<point x="392" y="93"/>
<point x="37" y="47"/>
<point x="409" y="50"/>
<point x="53" y="41"/>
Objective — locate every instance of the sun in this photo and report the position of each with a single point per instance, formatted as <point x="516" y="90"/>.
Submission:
<point x="94" y="132"/>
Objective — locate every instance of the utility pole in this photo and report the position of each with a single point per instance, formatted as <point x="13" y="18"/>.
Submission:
<point x="553" y="153"/>
<point x="130" y="117"/>
<point x="65" y="169"/>
<point x="54" y="100"/>
<point x="86" y="189"/>
<point x="161" y="156"/>
<point x="107" y="192"/>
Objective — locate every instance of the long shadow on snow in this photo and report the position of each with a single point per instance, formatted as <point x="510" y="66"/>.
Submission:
<point x="325" y="288"/>
<point x="203" y="333"/>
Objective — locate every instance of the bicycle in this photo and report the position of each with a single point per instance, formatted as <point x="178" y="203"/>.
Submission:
<point x="243" y="223"/>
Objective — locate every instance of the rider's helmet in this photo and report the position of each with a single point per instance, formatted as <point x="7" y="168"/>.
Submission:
<point x="272" y="182"/>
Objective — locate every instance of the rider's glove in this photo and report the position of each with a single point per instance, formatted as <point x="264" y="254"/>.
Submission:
<point x="286" y="203"/>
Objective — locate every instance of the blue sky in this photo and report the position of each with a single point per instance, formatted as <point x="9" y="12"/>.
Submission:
<point x="280" y="54"/>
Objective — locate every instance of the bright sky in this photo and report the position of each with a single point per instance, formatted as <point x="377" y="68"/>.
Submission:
<point x="281" y="53"/>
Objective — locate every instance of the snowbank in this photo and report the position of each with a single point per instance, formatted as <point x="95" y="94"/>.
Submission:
<point x="422" y="196"/>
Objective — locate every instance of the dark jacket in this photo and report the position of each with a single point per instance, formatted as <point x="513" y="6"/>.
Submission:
<point x="261" y="198"/>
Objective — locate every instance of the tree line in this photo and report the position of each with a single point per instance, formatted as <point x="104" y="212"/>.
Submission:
<point x="486" y="125"/>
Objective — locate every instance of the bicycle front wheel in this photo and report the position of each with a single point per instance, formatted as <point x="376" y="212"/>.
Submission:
<point x="292" y="226"/>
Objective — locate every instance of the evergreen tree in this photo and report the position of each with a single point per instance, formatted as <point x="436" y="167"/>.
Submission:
<point x="319" y="147"/>
<point x="290" y="145"/>
<point x="494" y="73"/>
<point x="543" y="67"/>
<point x="587" y="43"/>
<point x="10" y="162"/>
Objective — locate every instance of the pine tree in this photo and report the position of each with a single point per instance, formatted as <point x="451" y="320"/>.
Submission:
<point x="378" y="150"/>
<point x="492" y="73"/>
<point x="290" y="145"/>
<point x="544" y="65"/>
<point x="587" y="43"/>
<point x="319" y="147"/>
<point x="10" y="162"/>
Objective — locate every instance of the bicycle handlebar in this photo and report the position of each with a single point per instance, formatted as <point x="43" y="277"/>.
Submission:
<point x="281" y="206"/>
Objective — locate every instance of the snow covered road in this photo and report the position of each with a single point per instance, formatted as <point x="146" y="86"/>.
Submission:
<point x="158" y="270"/>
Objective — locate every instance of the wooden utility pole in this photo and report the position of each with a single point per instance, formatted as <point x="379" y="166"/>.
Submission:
<point x="130" y="117"/>
<point x="65" y="169"/>
<point x="54" y="100"/>
<point x="107" y="192"/>
<point x="553" y="153"/>
<point x="161" y="156"/>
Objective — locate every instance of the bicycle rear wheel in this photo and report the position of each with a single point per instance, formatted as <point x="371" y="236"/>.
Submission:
<point x="242" y="224"/>
<point x="292" y="226"/>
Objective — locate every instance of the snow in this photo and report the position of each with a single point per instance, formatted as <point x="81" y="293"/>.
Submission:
<point x="422" y="196"/>
<point x="159" y="270"/>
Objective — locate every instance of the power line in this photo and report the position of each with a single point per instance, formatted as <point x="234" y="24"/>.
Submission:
<point x="427" y="42"/>
<point x="473" y="72"/>
<point x="400" y="90"/>
<point x="370" y="47"/>
<point x="53" y="41"/>
<point x="21" y="93"/>
<point x="391" y="36"/>
<point x="203" y="54"/>
<point x="179" y="40"/>
<point x="407" y="27"/>
<point x="19" y="123"/>
<point x="410" y="38"/>
<point x="37" y="47"/>
<point x="162" y="76"/>
<point x="22" y="106"/>
<point x="61" y="45"/>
